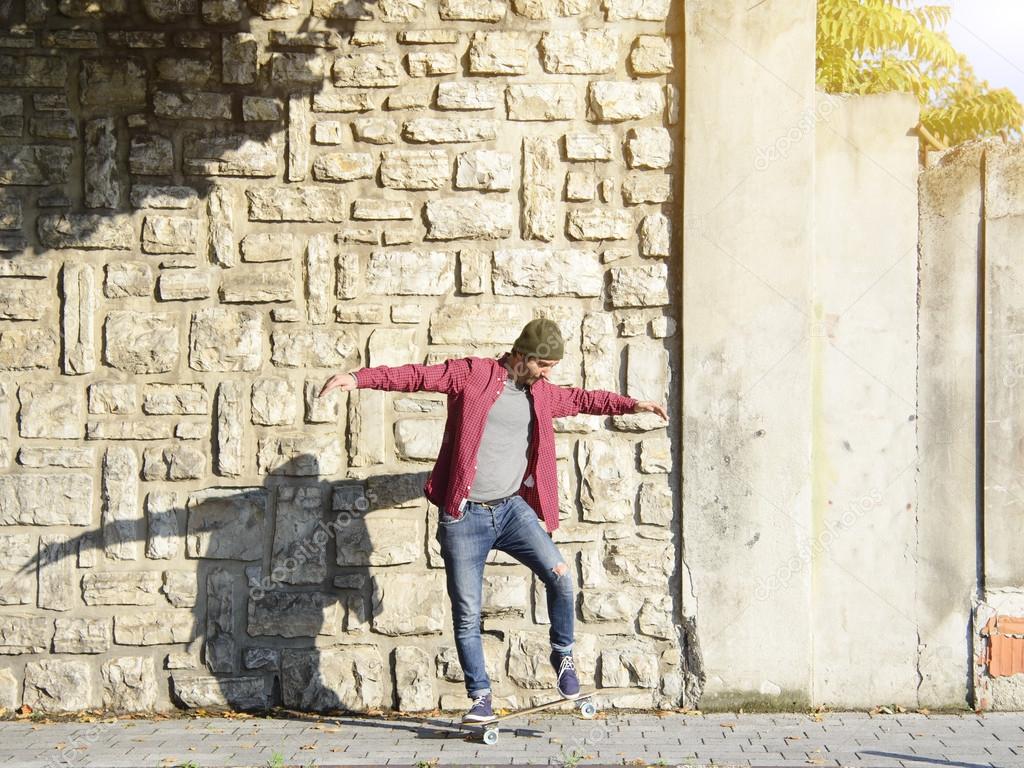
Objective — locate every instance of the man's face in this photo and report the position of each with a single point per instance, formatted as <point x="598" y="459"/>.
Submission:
<point x="528" y="369"/>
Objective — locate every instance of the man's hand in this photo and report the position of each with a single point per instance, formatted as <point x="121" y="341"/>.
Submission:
<point x="646" y="406"/>
<point x="346" y="382"/>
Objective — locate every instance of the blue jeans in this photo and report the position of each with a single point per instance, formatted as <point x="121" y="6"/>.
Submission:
<point x="514" y="528"/>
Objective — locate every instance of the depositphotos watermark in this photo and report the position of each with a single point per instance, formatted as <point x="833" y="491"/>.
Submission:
<point x="779" y="149"/>
<point x="820" y="544"/>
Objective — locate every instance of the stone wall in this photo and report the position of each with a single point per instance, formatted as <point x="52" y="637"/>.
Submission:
<point x="207" y="208"/>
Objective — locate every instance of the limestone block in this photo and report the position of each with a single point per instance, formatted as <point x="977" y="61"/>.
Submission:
<point x="17" y="586"/>
<point x="448" y="667"/>
<point x="53" y="685"/>
<point x="242" y="693"/>
<point x="639" y="562"/>
<point x="102" y="188"/>
<point x="269" y="246"/>
<point x="656" y="617"/>
<point x="410" y="273"/>
<point x="226" y="523"/>
<point x="655" y="236"/>
<point x="253" y="287"/>
<point x="452" y="219"/>
<point x="609" y="605"/>
<point x="600" y="224"/>
<point x="121" y="517"/>
<point x="111" y="83"/>
<point x="311" y="204"/>
<point x="39" y="499"/>
<point x="161" y="196"/>
<point x="56" y="592"/>
<point x="349" y="678"/>
<point x="121" y="588"/>
<point x="34" y="164"/>
<point x="629" y="667"/>
<point x="392" y="346"/>
<point x="540" y="191"/>
<point x="550" y="9"/>
<point x="499" y="53"/>
<point x="537" y="272"/>
<point x="415" y="169"/>
<point x="150" y="154"/>
<point x="651" y="55"/>
<point x="377" y="538"/>
<point x="431" y="63"/>
<point x="649" y="148"/>
<point x="239" y="58"/>
<point x="293" y="614"/>
<point x="162" y="524"/>
<point x="612" y="102"/>
<point x="467" y="324"/>
<point x="223" y="339"/>
<point x="84" y="230"/>
<point x="161" y="627"/>
<point x="299" y="553"/>
<point x="261" y="109"/>
<point x="229" y="430"/>
<point x="296" y="68"/>
<point x="50" y="409"/>
<point x="467" y="95"/>
<point x="642" y="10"/>
<point x="655" y="455"/>
<point x="366" y="445"/>
<point x="300" y="455"/>
<point x="644" y="286"/>
<point x="414" y="680"/>
<point x="274" y="402"/>
<point x="529" y="665"/>
<point x="371" y="210"/>
<point x="129" y="684"/>
<point x="367" y="70"/>
<point x="505" y="595"/>
<point x="26" y="348"/>
<point x="230" y="155"/>
<point x="174" y="462"/>
<point x="473" y="10"/>
<point x="427" y="130"/>
<point x="580" y="53"/>
<point x="82" y="635"/>
<point x="607" y="485"/>
<point x="169" y="234"/>
<point x="408" y="604"/>
<point x="375" y="130"/>
<point x="220" y="651"/>
<point x="192" y="105"/>
<point x="221" y="11"/>
<point x="276" y="9"/>
<point x="344" y="166"/>
<point x="418" y="439"/>
<point x="315" y="348"/>
<point x="140" y="342"/>
<point x="542" y="101"/>
<point x="180" y="588"/>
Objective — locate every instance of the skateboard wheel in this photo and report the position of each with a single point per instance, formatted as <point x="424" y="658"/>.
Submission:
<point x="491" y="736"/>
<point x="587" y="709"/>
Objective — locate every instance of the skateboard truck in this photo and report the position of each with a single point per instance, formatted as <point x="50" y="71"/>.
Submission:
<point x="583" y="704"/>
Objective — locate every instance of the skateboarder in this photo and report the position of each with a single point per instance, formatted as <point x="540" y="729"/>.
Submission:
<point x="495" y="482"/>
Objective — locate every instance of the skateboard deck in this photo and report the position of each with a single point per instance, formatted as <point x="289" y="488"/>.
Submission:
<point x="583" y="704"/>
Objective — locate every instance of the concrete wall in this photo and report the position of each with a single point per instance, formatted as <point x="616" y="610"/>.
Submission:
<point x="746" y="363"/>
<point x="862" y="545"/>
<point x="207" y="208"/>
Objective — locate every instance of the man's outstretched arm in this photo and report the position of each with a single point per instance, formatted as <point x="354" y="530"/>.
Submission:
<point x="448" y="377"/>
<point x="569" y="401"/>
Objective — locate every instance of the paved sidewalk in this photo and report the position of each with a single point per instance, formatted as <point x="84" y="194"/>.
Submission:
<point x="835" y="739"/>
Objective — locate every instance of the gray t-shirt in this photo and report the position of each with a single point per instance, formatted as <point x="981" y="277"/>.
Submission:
<point x="502" y="458"/>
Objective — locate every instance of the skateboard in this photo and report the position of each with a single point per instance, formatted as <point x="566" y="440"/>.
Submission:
<point x="583" y="704"/>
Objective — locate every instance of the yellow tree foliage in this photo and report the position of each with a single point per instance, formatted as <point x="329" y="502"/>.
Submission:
<point x="880" y="46"/>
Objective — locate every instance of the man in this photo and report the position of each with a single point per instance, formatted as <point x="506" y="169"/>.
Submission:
<point x="495" y="482"/>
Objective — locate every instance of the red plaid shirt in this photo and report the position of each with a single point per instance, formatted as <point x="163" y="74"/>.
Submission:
<point x="473" y="384"/>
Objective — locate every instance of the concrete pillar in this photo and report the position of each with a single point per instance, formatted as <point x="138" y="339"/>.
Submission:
<point x="864" y="509"/>
<point x="747" y="315"/>
<point x="947" y="535"/>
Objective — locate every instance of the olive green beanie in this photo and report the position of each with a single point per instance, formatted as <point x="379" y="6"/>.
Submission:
<point x="541" y="339"/>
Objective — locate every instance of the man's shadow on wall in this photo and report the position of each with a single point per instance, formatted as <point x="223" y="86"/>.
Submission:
<point x="266" y="597"/>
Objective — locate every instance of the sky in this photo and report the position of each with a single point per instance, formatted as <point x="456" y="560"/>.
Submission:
<point x="991" y="34"/>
